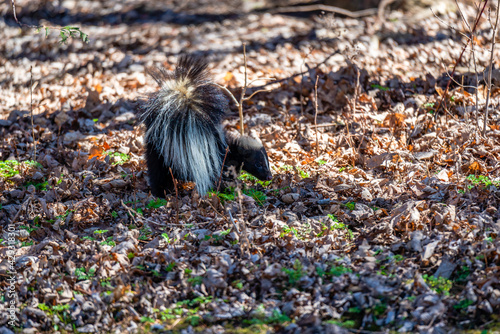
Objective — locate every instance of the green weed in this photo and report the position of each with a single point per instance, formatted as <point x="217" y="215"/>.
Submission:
<point x="122" y="157"/>
<point x="157" y="203"/>
<point x="8" y="168"/>
<point x="440" y="285"/>
<point x="296" y="273"/>
<point x="82" y="274"/>
<point x="380" y="87"/>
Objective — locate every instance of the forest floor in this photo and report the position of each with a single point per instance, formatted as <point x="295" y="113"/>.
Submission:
<point x="383" y="213"/>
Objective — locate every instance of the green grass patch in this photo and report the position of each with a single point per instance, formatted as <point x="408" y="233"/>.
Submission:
<point x="440" y="285"/>
<point x="157" y="203"/>
<point x="380" y="87"/>
<point x="122" y="157"/>
<point x="9" y="168"/>
<point x="350" y="205"/>
<point x="82" y="274"/>
<point x="295" y="273"/>
<point x="229" y="194"/>
<point x="463" y="304"/>
<point x="244" y="176"/>
<point x="480" y="180"/>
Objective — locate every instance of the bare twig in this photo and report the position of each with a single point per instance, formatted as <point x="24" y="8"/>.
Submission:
<point x="31" y="109"/>
<point x="326" y="8"/>
<point x="232" y="221"/>
<point x="243" y="91"/>
<point x="316" y="114"/>
<point x="228" y="93"/>
<point x="222" y="168"/>
<point x="176" y="197"/>
<point x="488" y="91"/>
<point x="23" y="207"/>
<point x="441" y="101"/>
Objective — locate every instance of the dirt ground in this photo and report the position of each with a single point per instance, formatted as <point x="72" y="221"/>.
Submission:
<point x="382" y="215"/>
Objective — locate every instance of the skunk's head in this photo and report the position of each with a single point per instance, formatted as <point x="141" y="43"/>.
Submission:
<point x="253" y="158"/>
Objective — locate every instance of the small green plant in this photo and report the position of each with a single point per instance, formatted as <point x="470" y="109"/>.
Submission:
<point x="122" y="157"/>
<point x="355" y="309"/>
<point x="296" y="273"/>
<point x="480" y="180"/>
<point x="100" y="232"/>
<point x="157" y="203"/>
<point x="350" y="205"/>
<point x="82" y="274"/>
<point x="257" y="195"/>
<point x="398" y="258"/>
<point x="146" y="320"/>
<point x="440" y="285"/>
<point x="195" y="280"/>
<point x="303" y="173"/>
<point x="286" y="167"/>
<point x="8" y="168"/>
<point x="66" y="32"/>
<point x="338" y="271"/>
<point x="229" y="194"/>
<point x="106" y="283"/>
<point x="29" y="228"/>
<point x="40" y="186"/>
<point x="287" y="230"/>
<point x="114" y="214"/>
<point x="344" y="324"/>
<point x="341" y="169"/>
<point x="244" y="176"/>
<point x="321" y="162"/>
<point x="27" y="243"/>
<point x="108" y="242"/>
<point x="170" y="266"/>
<point x="237" y="284"/>
<point x="340" y="226"/>
<point x="87" y="237"/>
<point x="61" y="217"/>
<point x="380" y="87"/>
<point x="145" y="233"/>
<point x="226" y="195"/>
<point x="462" y="273"/>
<point x="463" y="304"/>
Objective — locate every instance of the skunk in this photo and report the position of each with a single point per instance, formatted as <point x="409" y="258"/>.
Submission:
<point x="184" y="137"/>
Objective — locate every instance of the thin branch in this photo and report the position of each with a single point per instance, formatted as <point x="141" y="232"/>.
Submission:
<point x="222" y="168"/>
<point x="268" y="79"/>
<point x="488" y="91"/>
<point x="326" y="8"/>
<point x="176" y="196"/>
<point x="228" y="92"/>
<point x="256" y="92"/>
<point x="448" y="25"/>
<point x="31" y="109"/>
<point x="460" y="57"/>
<point x="243" y="91"/>
<point x="316" y="114"/>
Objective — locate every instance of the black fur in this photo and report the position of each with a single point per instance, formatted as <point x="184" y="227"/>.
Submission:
<point x="184" y="136"/>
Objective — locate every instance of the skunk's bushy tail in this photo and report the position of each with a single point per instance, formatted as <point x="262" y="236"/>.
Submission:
<point x="183" y="120"/>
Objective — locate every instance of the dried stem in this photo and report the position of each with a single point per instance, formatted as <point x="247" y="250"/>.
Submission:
<point x="243" y="91"/>
<point x="222" y="168"/>
<point x="316" y="114"/>
<point x="176" y="197"/>
<point x="442" y="100"/>
<point x="488" y="91"/>
<point x="31" y="109"/>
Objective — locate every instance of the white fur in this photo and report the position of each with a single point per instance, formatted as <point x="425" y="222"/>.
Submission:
<point x="192" y="151"/>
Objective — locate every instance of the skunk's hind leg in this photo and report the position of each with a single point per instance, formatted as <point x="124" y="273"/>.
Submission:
<point x="160" y="178"/>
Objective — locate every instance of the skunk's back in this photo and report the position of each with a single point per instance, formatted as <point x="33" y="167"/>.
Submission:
<point x="183" y="121"/>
